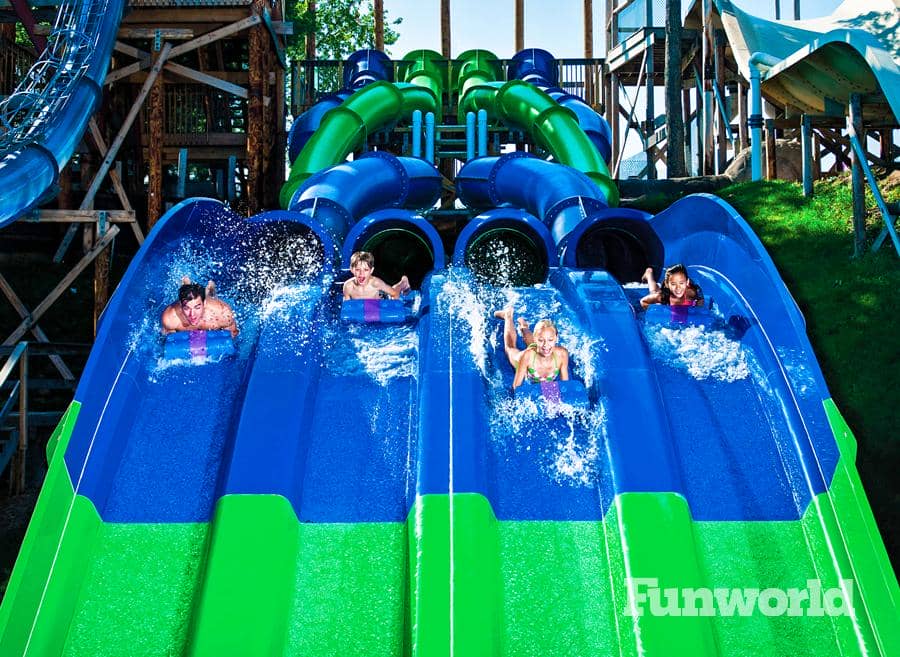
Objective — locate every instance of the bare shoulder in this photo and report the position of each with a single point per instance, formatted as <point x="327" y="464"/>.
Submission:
<point x="169" y="319"/>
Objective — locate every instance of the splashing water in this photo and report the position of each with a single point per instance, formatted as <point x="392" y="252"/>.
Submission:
<point x="565" y="438"/>
<point x="702" y="353"/>
<point x="799" y="375"/>
<point x="383" y="353"/>
<point x="463" y="304"/>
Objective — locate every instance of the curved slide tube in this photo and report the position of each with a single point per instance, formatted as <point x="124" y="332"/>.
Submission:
<point x="560" y="196"/>
<point x="340" y="195"/>
<point x="361" y="68"/>
<point x="346" y="127"/>
<point x="48" y="123"/>
<point x="540" y="69"/>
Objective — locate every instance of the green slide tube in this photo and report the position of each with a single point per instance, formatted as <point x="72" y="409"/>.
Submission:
<point x="475" y="78"/>
<point x="346" y="127"/>
<point x="427" y="69"/>
<point x="556" y="129"/>
<point x="343" y="129"/>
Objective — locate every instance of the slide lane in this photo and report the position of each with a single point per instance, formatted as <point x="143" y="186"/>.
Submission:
<point x="308" y="552"/>
<point x="116" y="547"/>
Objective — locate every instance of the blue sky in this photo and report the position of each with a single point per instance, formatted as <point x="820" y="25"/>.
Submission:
<point x="554" y="25"/>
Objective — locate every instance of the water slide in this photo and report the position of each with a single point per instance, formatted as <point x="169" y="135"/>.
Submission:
<point x="366" y="488"/>
<point x="43" y="120"/>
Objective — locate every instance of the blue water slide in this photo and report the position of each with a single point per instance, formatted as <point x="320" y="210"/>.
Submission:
<point x="46" y="115"/>
<point x="539" y="68"/>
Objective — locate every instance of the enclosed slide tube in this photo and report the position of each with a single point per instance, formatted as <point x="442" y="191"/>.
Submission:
<point x="361" y="68"/>
<point x="539" y="68"/>
<point x="346" y="128"/>
<point x="336" y="198"/>
<point x="522" y="105"/>
<point x="45" y="124"/>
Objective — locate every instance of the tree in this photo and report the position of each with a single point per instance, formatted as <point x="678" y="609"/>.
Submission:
<point x="675" y="166"/>
<point x="340" y="28"/>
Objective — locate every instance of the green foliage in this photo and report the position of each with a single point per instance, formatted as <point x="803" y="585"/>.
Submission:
<point x="340" y="26"/>
<point x="850" y="314"/>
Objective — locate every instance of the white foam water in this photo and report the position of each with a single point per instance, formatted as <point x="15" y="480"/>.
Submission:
<point x="564" y="438"/>
<point x="702" y="353"/>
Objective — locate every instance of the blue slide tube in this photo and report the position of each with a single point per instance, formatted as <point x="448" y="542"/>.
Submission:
<point x="33" y="158"/>
<point x="336" y="197"/>
<point x="559" y="195"/>
<point x="365" y="66"/>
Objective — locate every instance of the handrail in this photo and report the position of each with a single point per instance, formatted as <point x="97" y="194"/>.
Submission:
<point x="873" y="185"/>
<point x="18" y="356"/>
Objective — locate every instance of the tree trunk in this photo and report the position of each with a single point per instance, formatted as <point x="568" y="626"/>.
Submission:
<point x="674" y="112"/>
<point x="378" y="10"/>
<point x="520" y="25"/>
<point x="445" y="28"/>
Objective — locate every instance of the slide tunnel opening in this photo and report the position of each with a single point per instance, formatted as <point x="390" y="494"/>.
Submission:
<point x="623" y="248"/>
<point x="507" y="256"/>
<point x="399" y="251"/>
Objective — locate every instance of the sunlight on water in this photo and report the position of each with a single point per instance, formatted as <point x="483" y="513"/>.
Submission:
<point x="702" y="353"/>
<point x="799" y="375"/>
<point x="564" y="438"/>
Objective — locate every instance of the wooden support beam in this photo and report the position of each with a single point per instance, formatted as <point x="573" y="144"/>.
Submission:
<point x="61" y="287"/>
<point x="100" y="142"/>
<point x="806" y="155"/>
<point x="126" y="126"/>
<point x="255" y="116"/>
<point x="167" y="33"/>
<point x="22" y="310"/>
<point x="52" y="216"/>
<point x="378" y="10"/>
<point x="155" y="109"/>
<point x="771" y="169"/>
<point x="207" y="79"/>
<point x="743" y="132"/>
<point x="200" y="41"/>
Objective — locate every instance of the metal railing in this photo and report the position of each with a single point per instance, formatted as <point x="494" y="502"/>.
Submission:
<point x="310" y="80"/>
<point x="15" y="447"/>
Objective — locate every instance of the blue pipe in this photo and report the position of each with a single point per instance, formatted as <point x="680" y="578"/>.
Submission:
<point x="482" y="132"/>
<point x="429" y="137"/>
<point x="470" y="136"/>
<point x="417" y="133"/>
<point x="336" y="197"/>
<point x="29" y="169"/>
<point x="559" y="195"/>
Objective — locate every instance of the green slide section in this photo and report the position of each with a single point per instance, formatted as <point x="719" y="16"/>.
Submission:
<point x="36" y="556"/>
<point x="454" y="576"/>
<point x="475" y="78"/>
<point x="375" y="106"/>
<point x="520" y="104"/>
<point x="275" y="586"/>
